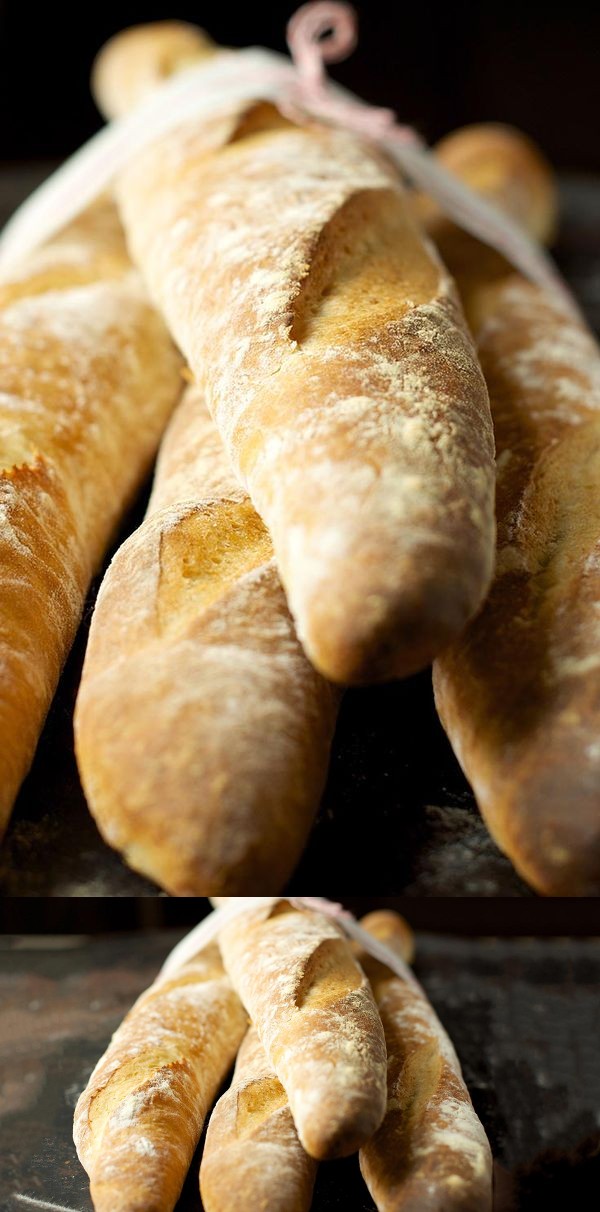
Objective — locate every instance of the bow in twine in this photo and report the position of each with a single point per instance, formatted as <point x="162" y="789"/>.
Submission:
<point x="318" y="33"/>
<point x="209" y="929"/>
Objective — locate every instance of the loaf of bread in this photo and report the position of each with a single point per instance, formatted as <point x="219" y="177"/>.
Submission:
<point x="508" y="169"/>
<point x="140" y="1117"/>
<point x="314" y="1013"/>
<point x="252" y="1157"/>
<point x="329" y="344"/>
<point x="202" y="731"/>
<point x="392" y="929"/>
<point x="136" y="60"/>
<point x="431" y="1153"/>
<point x="88" y="377"/>
<point x="519" y="692"/>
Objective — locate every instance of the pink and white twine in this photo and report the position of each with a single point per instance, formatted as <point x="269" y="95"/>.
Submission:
<point x="210" y="927"/>
<point x="318" y="33"/>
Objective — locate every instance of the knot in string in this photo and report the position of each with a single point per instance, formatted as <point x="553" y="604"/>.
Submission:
<point x="322" y="32"/>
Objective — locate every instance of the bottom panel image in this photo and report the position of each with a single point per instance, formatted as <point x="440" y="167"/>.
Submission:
<point x="280" y="1055"/>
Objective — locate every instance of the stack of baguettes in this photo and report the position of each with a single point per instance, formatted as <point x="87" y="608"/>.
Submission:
<point x="341" y="1056"/>
<point x="326" y="337"/>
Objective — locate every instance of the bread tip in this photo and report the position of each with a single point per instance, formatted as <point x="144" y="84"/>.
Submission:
<point x="326" y="1138"/>
<point x="107" y="1198"/>
<point x="410" y="632"/>
<point x="390" y="927"/>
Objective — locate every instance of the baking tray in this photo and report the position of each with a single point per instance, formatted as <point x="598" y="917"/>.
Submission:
<point x="397" y="811"/>
<point x="523" y="1015"/>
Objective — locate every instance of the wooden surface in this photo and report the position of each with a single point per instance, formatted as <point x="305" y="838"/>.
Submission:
<point x="522" y="1013"/>
<point x="396" y="805"/>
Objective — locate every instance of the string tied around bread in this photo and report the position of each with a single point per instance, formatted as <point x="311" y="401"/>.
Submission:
<point x="209" y="928"/>
<point x="320" y="32"/>
<point x="326" y="31"/>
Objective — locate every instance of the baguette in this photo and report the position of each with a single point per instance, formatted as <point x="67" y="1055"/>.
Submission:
<point x="314" y="1013"/>
<point x="329" y="344"/>
<point x="431" y="1153"/>
<point x="136" y="60"/>
<point x="202" y="732"/>
<point x="252" y="1156"/>
<point x="88" y="377"/>
<point x="140" y="1117"/>
<point x="519" y="692"/>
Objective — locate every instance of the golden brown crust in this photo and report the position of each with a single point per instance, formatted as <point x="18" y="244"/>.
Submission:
<point x="431" y="1153"/>
<point x="314" y="1013"/>
<point x="202" y="732"/>
<point x="90" y="248"/>
<point x="519" y="693"/>
<point x="390" y="928"/>
<point x="142" y="57"/>
<point x="252" y="1157"/>
<point x="140" y="1117"/>
<point x="44" y="579"/>
<point x="88" y="376"/>
<point x="334" y="359"/>
<point x="506" y="167"/>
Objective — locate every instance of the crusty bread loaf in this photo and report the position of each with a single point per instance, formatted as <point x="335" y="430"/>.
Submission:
<point x="90" y="248"/>
<point x="140" y="1117"/>
<point x="202" y="731"/>
<point x="431" y="1153"/>
<point x="133" y="62"/>
<point x="391" y="928"/>
<point x="88" y="377"/>
<point x="313" y="1010"/>
<point x="505" y="166"/>
<point x="252" y="1157"/>
<point x="329" y="344"/>
<point x="519" y="693"/>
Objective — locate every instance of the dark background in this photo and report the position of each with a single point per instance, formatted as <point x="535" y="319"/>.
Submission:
<point x="442" y="915"/>
<point x="438" y="64"/>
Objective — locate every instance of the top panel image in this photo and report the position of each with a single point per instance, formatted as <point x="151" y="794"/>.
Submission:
<point x="299" y="493"/>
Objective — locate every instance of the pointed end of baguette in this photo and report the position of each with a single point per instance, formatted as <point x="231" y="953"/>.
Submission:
<point x="361" y="638"/>
<point x="325" y="1137"/>
<point x="503" y="165"/>
<point x="137" y="59"/>
<point x="551" y="830"/>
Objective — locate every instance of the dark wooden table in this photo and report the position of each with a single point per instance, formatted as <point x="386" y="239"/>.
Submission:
<point x="523" y="1015"/>
<point x="397" y="814"/>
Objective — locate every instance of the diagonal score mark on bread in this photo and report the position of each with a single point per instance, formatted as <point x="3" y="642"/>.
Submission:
<point x="204" y="555"/>
<point x="360" y="283"/>
<point x="329" y="973"/>
<point x="256" y="1103"/>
